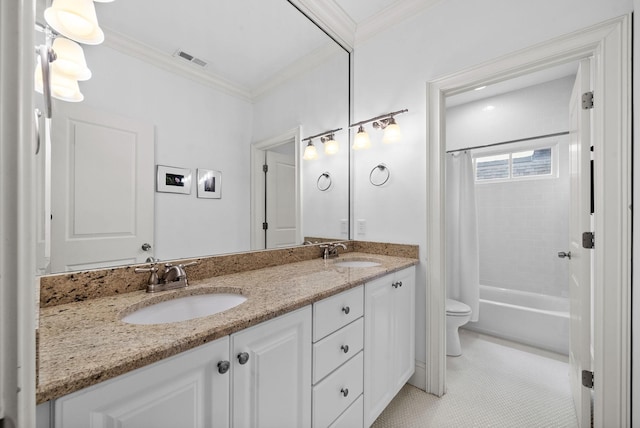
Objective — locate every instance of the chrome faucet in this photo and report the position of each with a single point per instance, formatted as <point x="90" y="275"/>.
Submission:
<point x="330" y="250"/>
<point x="173" y="276"/>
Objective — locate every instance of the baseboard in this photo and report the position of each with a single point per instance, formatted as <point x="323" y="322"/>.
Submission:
<point x="419" y="378"/>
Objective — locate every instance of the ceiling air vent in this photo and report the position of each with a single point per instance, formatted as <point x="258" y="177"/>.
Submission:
<point x="192" y="59"/>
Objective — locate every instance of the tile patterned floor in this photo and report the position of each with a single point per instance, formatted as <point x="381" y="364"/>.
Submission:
<point x="494" y="383"/>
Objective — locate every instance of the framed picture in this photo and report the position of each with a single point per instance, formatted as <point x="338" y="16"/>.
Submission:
<point x="174" y="180"/>
<point x="209" y="183"/>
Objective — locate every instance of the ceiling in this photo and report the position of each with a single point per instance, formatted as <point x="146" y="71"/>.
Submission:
<point x="248" y="46"/>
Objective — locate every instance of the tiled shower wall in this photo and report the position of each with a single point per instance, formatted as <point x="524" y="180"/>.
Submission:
<point x="522" y="225"/>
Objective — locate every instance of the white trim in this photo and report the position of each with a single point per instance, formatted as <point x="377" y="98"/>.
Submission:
<point x="608" y="44"/>
<point x="153" y="56"/>
<point x="392" y="15"/>
<point x="331" y="18"/>
<point x="419" y="376"/>
<point x="17" y="211"/>
<point x="257" y="182"/>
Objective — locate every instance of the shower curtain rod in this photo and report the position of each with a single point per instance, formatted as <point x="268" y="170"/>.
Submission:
<point x="557" y="134"/>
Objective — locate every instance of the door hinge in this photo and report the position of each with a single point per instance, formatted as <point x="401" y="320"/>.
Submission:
<point x="265" y="168"/>
<point x="587" y="100"/>
<point x="588" y="240"/>
<point x="265" y="226"/>
<point x="587" y="379"/>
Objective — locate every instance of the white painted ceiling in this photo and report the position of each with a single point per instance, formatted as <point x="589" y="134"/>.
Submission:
<point x="249" y="43"/>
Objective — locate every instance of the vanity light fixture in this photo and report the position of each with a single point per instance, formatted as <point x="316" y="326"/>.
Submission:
<point x="75" y="19"/>
<point x="386" y="122"/>
<point x="310" y="152"/>
<point x="361" y="140"/>
<point x="327" y="138"/>
<point x="61" y="62"/>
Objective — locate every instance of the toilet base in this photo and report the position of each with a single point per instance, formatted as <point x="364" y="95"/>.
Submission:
<point x="453" y="343"/>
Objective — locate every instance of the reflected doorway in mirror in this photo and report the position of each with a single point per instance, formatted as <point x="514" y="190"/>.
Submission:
<point x="209" y="184"/>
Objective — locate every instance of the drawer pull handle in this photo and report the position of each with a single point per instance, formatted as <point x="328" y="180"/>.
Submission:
<point x="346" y="310"/>
<point x="394" y="285"/>
<point x="223" y="367"/>
<point x="345" y="348"/>
<point x="344" y="392"/>
<point x="243" y="357"/>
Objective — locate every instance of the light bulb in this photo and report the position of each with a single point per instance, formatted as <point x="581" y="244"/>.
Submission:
<point x="75" y="19"/>
<point x="331" y="147"/>
<point x="361" y="140"/>
<point x="392" y="133"/>
<point x="310" y="152"/>
<point x="70" y="59"/>
<point x="63" y="87"/>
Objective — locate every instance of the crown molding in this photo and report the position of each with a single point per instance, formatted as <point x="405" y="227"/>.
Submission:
<point x="390" y="16"/>
<point x="160" y="59"/>
<point x="331" y="18"/>
<point x="299" y="67"/>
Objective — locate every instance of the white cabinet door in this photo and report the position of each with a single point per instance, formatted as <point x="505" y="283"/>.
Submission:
<point x="186" y="390"/>
<point x="271" y="373"/>
<point x="389" y="331"/>
<point x="404" y="328"/>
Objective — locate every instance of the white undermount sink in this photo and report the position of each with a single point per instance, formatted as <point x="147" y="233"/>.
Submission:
<point x="356" y="263"/>
<point x="184" y="308"/>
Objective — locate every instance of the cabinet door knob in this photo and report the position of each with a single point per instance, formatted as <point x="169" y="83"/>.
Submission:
<point x="344" y="392"/>
<point x="223" y="366"/>
<point x="345" y="348"/>
<point x="346" y="310"/>
<point x="243" y="357"/>
<point x="400" y="283"/>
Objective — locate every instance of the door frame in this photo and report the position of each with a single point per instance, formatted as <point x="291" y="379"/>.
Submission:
<point x="258" y="182"/>
<point x="609" y="43"/>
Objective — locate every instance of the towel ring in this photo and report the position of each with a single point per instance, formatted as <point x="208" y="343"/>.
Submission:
<point x="383" y="177"/>
<point x="326" y="183"/>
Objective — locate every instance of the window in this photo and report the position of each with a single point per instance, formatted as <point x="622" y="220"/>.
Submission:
<point x="514" y="165"/>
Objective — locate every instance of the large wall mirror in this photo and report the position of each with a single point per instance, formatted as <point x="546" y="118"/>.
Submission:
<point x="207" y="90"/>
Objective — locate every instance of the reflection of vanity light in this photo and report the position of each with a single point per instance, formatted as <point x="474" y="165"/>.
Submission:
<point x="310" y="152"/>
<point x="361" y="140"/>
<point x="479" y="88"/>
<point x="488" y="108"/>
<point x="75" y="19"/>
<point x="331" y="146"/>
<point x="63" y="87"/>
<point x="70" y="59"/>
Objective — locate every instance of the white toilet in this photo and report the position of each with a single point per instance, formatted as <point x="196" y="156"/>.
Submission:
<point x="458" y="314"/>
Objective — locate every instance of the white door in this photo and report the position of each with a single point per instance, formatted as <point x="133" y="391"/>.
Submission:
<point x="102" y="189"/>
<point x="580" y="221"/>
<point x="281" y="200"/>
<point x="271" y="373"/>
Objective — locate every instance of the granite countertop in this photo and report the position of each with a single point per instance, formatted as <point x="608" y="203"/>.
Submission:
<point x="84" y="343"/>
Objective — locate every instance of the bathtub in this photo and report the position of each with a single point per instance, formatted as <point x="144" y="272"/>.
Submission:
<point x="533" y="319"/>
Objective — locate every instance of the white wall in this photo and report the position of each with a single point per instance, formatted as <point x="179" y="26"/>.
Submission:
<point x="319" y="101"/>
<point x="391" y="71"/>
<point x="535" y="110"/>
<point x="522" y="224"/>
<point x="635" y="310"/>
<point x="199" y="128"/>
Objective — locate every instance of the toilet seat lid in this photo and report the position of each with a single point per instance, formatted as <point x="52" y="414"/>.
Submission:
<point x="455" y="307"/>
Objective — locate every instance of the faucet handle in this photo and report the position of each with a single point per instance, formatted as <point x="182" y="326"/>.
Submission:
<point x="153" y="278"/>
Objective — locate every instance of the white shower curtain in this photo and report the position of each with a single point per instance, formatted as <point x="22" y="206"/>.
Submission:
<point x="462" y="232"/>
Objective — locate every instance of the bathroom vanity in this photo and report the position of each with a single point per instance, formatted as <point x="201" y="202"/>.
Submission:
<point x="316" y="344"/>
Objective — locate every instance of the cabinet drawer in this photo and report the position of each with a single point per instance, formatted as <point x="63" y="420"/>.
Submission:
<point x="335" y="394"/>
<point x="336" y="311"/>
<point x="335" y="349"/>
<point x="352" y="417"/>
